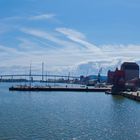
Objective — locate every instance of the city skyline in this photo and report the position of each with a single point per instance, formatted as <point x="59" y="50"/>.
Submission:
<point x="68" y="35"/>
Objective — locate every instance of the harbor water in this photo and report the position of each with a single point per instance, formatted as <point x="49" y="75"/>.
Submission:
<point x="67" y="116"/>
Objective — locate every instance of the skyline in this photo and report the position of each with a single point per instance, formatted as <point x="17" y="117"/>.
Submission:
<point x="68" y="34"/>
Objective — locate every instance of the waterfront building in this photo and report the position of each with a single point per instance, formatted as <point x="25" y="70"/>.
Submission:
<point x="125" y="78"/>
<point x="114" y="76"/>
<point x="131" y="70"/>
<point x="119" y="77"/>
<point x="118" y="81"/>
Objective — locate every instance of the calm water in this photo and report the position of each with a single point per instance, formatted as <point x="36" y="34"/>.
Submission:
<point x="67" y="116"/>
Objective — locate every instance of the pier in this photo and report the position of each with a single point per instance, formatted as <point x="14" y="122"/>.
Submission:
<point x="131" y="95"/>
<point x="134" y="95"/>
<point x="58" y="88"/>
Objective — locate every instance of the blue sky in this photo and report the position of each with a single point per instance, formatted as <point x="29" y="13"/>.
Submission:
<point x="65" y="34"/>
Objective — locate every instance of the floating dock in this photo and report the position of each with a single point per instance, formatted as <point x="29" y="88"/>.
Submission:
<point x="50" y="88"/>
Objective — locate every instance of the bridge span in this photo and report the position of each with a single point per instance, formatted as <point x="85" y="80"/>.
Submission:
<point x="33" y="77"/>
<point x="37" y="75"/>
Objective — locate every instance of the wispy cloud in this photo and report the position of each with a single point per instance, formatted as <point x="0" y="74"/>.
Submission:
<point x="7" y="49"/>
<point x="49" y="37"/>
<point x="127" y="52"/>
<point x="42" y="17"/>
<point x="80" y="38"/>
<point x="71" y="33"/>
<point x="64" y="48"/>
<point x="72" y="54"/>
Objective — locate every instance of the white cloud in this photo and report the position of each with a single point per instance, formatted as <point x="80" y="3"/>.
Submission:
<point x="80" y="38"/>
<point x="20" y="20"/>
<point x="49" y="36"/>
<point x="127" y="52"/>
<point x="70" y="33"/>
<point x="8" y="50"/>
<point x="65" y="50"/>
<point x="73" y="54"/>
<point x="42" y="17"/>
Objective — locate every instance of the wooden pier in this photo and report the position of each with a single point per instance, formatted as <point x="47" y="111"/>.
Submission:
<point x="53" y="88"/>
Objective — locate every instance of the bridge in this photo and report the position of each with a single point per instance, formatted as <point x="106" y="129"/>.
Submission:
<point x="37" y="75"/>
<point x="32" y="76"/>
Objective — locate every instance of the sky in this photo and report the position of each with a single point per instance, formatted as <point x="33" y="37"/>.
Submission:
<point x="68" y="35"/>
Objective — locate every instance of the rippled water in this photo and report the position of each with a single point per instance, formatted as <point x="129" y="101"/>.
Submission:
<point x="67" y="116"/>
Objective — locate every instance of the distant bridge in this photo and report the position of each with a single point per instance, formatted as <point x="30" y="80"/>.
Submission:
<point x="37" y="75"/>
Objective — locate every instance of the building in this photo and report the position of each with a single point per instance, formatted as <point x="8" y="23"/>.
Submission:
<point x="110" y="76"/>
<point x="131" y="70"/>
<point x="114" y="77"/>
<point x="125" y="78"/>
<point x="119" y="77"/>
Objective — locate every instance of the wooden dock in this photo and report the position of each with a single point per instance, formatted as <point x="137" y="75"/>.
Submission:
<point x="50" y="88"/>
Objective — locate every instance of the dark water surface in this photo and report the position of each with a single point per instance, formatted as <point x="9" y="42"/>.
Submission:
<point x="67" y="116"/>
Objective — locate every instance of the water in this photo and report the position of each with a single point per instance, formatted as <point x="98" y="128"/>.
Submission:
<point x="67" y="116"/>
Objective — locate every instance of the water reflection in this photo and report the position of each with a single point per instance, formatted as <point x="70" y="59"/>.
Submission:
<point x="117" y="98"/>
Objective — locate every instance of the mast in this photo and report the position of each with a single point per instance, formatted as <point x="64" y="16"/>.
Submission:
<point x="42" y="71"/>
<point x="30" y="73"/>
